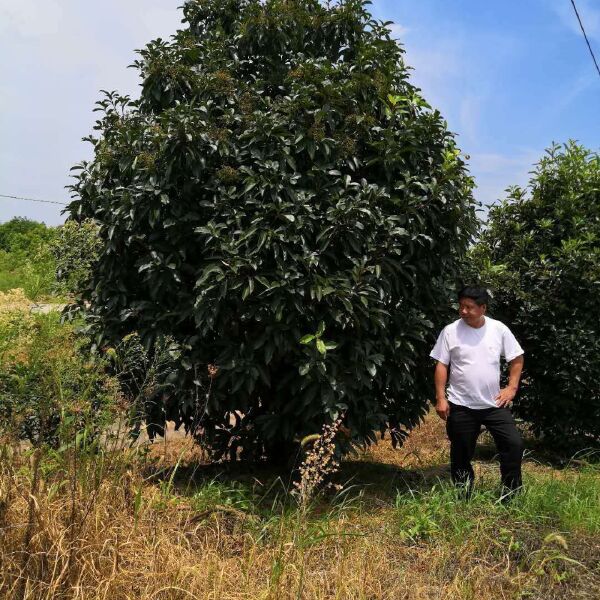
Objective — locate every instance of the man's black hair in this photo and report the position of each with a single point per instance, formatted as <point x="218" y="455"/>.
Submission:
<point x="476" y="293"/>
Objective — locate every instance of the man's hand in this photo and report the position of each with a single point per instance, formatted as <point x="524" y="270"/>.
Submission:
<point x="442" y="408"/>
<point x="440" y="378"/>
<point x="506" y="396"/>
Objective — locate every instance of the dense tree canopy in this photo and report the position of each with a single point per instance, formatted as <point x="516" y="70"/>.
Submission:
<point x="75" y="249"/>
<point x="24" y="235"/>
<point x="25" y="258"/>
<point x="283" y="203"/>
<point x="541" y="255"/>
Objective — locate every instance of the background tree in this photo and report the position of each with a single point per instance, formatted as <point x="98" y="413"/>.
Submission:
<point x="24" y="235"/>
<point x="541" y="254"/>
<point x="75" y="248"/>
<point x="25" y="258"/>
<point x="284" y="204"/>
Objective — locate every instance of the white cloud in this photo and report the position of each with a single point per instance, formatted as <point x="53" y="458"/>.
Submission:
<point x="495" y="172"/>
<point x="398" y="32"/>
<point x="492" y="162"/>
<point x="30" y="18"/>
<point x="155" y="19"/>
<point x="435" y="67"/>
<point x="571" y="91"/>
<point x="459" y="76"/>
<point x="62" y="53"/>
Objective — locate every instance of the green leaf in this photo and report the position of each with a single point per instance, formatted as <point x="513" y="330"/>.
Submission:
<point x="321" y="346"/>
<point x="304" y="369"/>
<point x="307" y="339"/>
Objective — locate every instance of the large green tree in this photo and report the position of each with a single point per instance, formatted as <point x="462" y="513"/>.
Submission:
<point x="541" y="254"/>
<point x="75" y="249"/>
<point x="283" y="203"/>
<point x="25" y="258"/>
<point x="24" y="235"/>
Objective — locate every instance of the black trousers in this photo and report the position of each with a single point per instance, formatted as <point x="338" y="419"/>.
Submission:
<point x="464" y="426"/>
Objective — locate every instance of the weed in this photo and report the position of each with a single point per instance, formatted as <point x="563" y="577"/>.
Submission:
<point x="319" y="463"/>
<point x="91" y="516"/>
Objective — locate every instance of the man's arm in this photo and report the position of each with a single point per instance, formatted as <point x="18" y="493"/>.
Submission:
<point x="507" y="394"/>
<point x="440" y="378"/>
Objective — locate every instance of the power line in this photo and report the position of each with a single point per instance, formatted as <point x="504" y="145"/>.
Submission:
<point x="585" y="36"/>
<point x="33" y="199"/>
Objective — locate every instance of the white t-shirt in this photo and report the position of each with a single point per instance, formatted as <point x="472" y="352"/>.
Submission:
<point x="474" y="358"/>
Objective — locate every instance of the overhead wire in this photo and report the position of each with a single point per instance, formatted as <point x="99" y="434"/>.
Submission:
<point x="585" y="36"/>
<point x="33" y="199"/>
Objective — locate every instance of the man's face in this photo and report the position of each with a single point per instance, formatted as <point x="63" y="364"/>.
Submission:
<point x="471" y="312"/>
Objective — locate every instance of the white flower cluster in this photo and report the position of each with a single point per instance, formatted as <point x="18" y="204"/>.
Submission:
<point x="319" y="464"/>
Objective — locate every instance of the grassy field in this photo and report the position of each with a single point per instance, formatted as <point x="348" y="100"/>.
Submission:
<point x="158" y="522"/>
<point x="96" y="518"/>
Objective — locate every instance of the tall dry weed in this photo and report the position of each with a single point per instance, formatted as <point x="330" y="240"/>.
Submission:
<point x="319" y="464"/>
<point x="114" y="523"/>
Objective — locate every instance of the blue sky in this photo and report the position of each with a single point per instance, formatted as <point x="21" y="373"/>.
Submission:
<point x="509" y="76"/>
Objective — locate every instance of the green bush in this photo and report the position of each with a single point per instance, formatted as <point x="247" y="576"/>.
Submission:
<point x="32" y="273"/>
<point x="148" y="383"/>
<point x="25" y="258"/>
<point x="50" y="387"/>
<point x="283" y="203"/>
<point x="541" y="255"/>
<point x="75" y="249"/>
<point x="24" y="235"/>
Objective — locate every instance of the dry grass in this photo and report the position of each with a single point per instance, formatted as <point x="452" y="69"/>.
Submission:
<point x="126" y="524"/>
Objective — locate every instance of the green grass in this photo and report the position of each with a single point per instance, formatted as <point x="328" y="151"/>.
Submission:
<point x="551" y="501"/>
<point x="569" y="500"/>
<point x="565" y="501"/>
<point x="34" y="275"/>
<point x="215" y="494"/>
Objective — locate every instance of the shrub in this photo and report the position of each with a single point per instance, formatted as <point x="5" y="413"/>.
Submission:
<point x="148" y="384"/>
<point x="24" y="235"/>
<point x="283" y="203"/>
<point x="25" y="258"/>
<point x="75" y="250"/>
<point x="541" y="254"/>
<point x="48" y="387"/>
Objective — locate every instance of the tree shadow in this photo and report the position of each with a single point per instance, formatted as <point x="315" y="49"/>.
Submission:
<point x="549" y="455"/>
<point x="362" y="477"/>
<point x="270" y="483"/>
<point x="385" y="480"/>
<point x="366" y="476"/>
<point x="256" y="478"/>
<point x="544" y="452"/>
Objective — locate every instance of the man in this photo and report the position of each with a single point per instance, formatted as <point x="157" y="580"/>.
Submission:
<point x="471" y="348"/>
